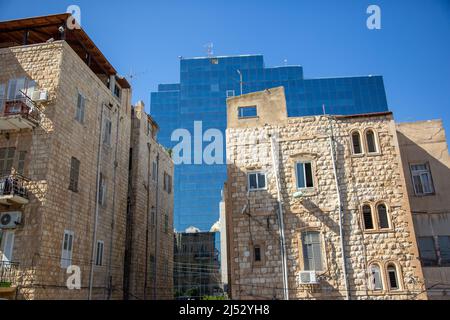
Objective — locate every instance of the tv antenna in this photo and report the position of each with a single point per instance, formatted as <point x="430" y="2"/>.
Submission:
<point x="134" y="74"/>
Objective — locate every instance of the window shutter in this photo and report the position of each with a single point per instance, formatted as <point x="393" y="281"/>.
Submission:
<point x="300" y="175"/>
<point x="383" y="216"/>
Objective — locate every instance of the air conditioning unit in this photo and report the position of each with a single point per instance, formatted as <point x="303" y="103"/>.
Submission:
<point x="40" y="96"/>
<point x="308" y="277"/>
<point x="10" y="220"/>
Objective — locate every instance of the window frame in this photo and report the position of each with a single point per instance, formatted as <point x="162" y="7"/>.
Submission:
<point x="375" y="141"/>
<point x="381" y="277"/>
<point x="302" y="254"/>
<point x="374" y="227"/>
<point x="247" y="107"/>
<point x="419" y="173"/>
<point x="435" y="251"/>
<point x="74" y="174"/>
<point x="361" y="145"/>
<point x="393" y="265"/>
<point x="257" y="172"/>
<point x="388" y="216"/>
<point x="99" y="258"/>
<point x="21" y="161"/>
<point x="107" y="131"/>
<point x="66" y="262"/>
<point x="80" y="110"/>
<point x="313" y="177"/>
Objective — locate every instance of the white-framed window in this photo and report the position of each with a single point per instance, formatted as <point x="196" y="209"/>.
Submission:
<point x="257" y="181"/>
<point x="6" y="160"/>
<point x="375" y="277"/>
<point x="230" y="93"/>
<point x="421" y="177"/>
<point x="304" y="173"/>
<point x="247" y="112"/>
<point x="102" y="190"/>
<point x="67" y="249"/>
<point x="356" y="143"/>
<point x="312" y="251"/>
<point x="393" y="277"/>
<point x="371" y="141"/>
<point x="7" y="245"/>
<point x="107" y="132"/>
<point x="81" y="103"/>
<point x="21" y="162"/>
<point x="99" y="253"/>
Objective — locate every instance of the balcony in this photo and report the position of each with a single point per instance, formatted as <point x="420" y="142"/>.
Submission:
<point x="8" y="279"/>
<point x="12" y="190"/>
<point x="18" y="114"/>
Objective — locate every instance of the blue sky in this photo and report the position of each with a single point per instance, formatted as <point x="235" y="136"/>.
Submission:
<point x="328" y="38"/>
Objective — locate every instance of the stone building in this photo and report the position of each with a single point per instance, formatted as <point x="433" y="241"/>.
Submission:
<point x="306" y="222"/>
<point x="149" y="254"/>
<point x="426" y="164"/>
<point x="66" y="125"/>
<point x="196" y="271"/>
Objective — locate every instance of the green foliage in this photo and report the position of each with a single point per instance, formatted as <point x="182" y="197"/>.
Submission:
<point x="214" y="298"/>
<point x="5" y="284"/>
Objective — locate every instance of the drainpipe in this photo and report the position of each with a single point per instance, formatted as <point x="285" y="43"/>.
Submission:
<point x="148" y="223"/>
<point x="97" y="195"/>
<point x="341" y="231"/>
<point x="113" y="222"/>
<point x="156" y="228"/>
<point x="284" y="266"/>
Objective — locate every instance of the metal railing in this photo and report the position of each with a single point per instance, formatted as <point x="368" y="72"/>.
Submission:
<point x="9" y="272"/>
<point x="13" y="185"/>
<point x="23" y="106"/>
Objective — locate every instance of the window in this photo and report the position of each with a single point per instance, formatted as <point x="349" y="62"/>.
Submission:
<point x="356" y="143"/>
<point x="153" y="216"/>
<point x="167" y="183"/>
<point x="214" y="61"/>
<point x="99" y="255"/>
<point x="67" y="249"/>
<point x="383" y="219"/>
<point x="21" y="162"/>
<point x="371" y="142"/>
<point x="166" y="223"/>
<point x="74" y="173"/>
<point x="15" y="86"/>
<point x="230" y="93"/>
<point x="81" y="102"/>
<point x="215" y="87"/>
<point x="117" y="91"/>
<point x="392" y="277"/>
<point x="7" y="245"/>
<point x="375" y="279"/>
<point x="6" y="160"/>
<point x="257" y="253"/>
<point x="312" y="251"/>
<point x="154" y="171"/>
<point x="367" y="217"/>
<point x="152" y="264"/>
<point x="149" y="129"/>
<point x="107" y="132"/>
<point x="102" y="190"/>
<point x="256" y="181"/>
<point x="422" y="181"/>
<point x="427" y="251"/>
<point x="304" y="175"/>
<point x="247" y="112"/>
<point x="2" y="97"/>
<point x="444" y="250"/>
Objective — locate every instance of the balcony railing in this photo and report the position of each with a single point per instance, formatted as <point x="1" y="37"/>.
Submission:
<point x="9" y="272"/>
<point x="12" y="189"/>
<point x="24" y="108"/>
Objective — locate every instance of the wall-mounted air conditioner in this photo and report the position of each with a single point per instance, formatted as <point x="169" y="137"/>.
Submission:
<point x="40" y="96"/>
<point x="308" y="277"/>
<point x="10" y="220"/>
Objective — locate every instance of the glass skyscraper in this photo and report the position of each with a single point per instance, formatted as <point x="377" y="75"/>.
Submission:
<point x="201" y="95"/>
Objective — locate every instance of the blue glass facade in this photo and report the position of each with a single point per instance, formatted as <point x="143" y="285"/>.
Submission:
<point x="201" y="96"/>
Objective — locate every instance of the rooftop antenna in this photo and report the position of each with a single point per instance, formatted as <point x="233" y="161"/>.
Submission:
<point x="209" y="49"/>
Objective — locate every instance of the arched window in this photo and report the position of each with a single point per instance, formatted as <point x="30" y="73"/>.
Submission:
<point x="383" y="218"/>
<point x="367" y="216"/>
<point x="392" y="277"/>
<point x="356" y="143"/>
<point x="375" y="278"/>
<point x="371" y="142"/>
